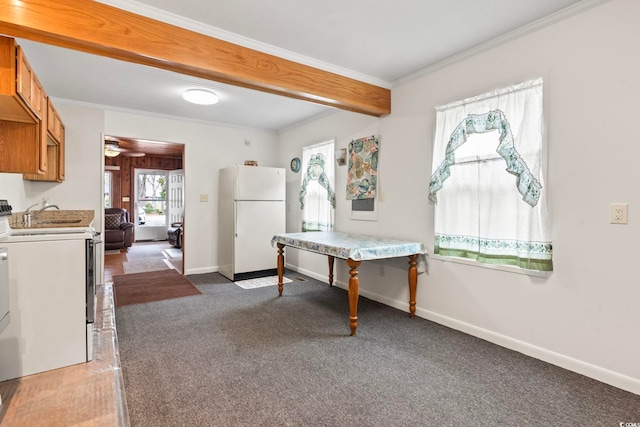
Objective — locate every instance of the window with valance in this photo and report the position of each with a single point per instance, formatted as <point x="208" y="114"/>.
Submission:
<point x="488" y="182"/>
<point x="317" y="197"/>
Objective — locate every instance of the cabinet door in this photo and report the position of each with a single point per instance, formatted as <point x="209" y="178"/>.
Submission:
<point x="61" y="157"/>
<point x="38" y="97"/>
<point x="43" y="159"/>
<point x="24" y="77"/>
<point x="54" y="123"/>
<point x="56" y="131"/>
<point x="51" y="118"/>
<point x="28" y="86"/>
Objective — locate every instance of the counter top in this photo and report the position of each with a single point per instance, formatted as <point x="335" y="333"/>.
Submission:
<point x="54" y="219"/>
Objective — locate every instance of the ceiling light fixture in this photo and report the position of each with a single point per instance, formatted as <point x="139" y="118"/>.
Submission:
<point x="109" y="151"/>
<point x="200" y="96"/>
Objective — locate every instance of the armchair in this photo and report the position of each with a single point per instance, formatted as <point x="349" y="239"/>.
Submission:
<point x="175" y="234"/>
<point x="118" y="231"/>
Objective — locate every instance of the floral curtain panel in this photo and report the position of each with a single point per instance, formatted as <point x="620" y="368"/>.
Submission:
<point x="488" y="184"/>
<point x="362" y="176"/>
<point x="317" y="198"/>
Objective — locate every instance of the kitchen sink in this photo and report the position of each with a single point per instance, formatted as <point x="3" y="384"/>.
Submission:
<point x="38" y="231"/>
<point x="58" y="221"/>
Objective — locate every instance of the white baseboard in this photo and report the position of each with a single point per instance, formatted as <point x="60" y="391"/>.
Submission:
<point x="320" y="277"/>
<point x="201" y="270"/>
<point x="587" y="369"/>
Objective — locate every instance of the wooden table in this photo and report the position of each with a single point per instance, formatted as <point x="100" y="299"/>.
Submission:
<point x="354" y="248"/>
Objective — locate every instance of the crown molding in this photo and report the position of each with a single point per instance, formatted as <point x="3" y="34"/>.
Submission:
<point x="563" y="14"/>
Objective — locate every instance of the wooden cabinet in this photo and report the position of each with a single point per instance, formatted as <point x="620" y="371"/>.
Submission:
<point x="54" y="147"/>
<point x="55" y="128"/>
<point x="28" y="86"/>
<point x="54" y="123"/>
<point x="31" y="142"/>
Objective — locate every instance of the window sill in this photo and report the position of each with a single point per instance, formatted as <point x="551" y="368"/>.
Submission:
<point x="507" y="268"/>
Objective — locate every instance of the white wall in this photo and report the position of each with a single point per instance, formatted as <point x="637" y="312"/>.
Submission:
<point x="208" y="148"/>
<point x="81" y="188"/>
<point x="83" y="152"/>
<point x="583" y="316"/>
<point x="12" y="189"/>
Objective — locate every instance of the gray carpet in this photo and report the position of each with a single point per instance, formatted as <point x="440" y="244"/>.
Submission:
<point x="235" y="357"/>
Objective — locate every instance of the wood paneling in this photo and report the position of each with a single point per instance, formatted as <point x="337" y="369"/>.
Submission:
<point x="153" y="148"/>
<point x="96" y="28"/>
<point x="123" y="182"/>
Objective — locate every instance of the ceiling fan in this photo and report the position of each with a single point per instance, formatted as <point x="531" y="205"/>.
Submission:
<point x="112" y="148"/>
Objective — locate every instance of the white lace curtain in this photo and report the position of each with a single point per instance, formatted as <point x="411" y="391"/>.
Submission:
<point x="317" y="197"/>
<point x="488" y="182"/>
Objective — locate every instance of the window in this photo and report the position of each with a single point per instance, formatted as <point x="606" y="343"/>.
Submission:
<point x="151" y="192"/>
<point x="485" y="211"/>
<point x="317" y="197"/>
<point x="108" y="191"/>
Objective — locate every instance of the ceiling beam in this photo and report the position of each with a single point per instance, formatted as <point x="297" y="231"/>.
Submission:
<point x="96" y="28"/>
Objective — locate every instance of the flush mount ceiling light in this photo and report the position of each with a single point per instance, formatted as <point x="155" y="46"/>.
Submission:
<point x="200" y="97"/>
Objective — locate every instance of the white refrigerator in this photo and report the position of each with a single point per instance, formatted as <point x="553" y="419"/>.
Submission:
<point x="251" y="210"/>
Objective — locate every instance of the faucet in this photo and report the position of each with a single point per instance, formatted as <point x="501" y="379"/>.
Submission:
<point x="44" y="208"/>
<point x="26" y="216"/>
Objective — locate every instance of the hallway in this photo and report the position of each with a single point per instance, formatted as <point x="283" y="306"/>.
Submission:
<point x="142" y="256"/>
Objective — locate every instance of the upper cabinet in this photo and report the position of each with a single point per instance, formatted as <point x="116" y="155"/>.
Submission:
<point x="28" y="86"/>
<point x="31" y="142"/>
<point x="54" y="148"/>
<point x="55" y="127"/>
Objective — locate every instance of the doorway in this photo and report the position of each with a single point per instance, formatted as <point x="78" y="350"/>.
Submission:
<point x="150" y="204"/>
<point x="147" y="199"/>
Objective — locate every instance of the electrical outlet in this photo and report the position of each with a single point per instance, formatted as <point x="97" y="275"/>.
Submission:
<point x="204" y="197"/>
<point x="618" y="213"/>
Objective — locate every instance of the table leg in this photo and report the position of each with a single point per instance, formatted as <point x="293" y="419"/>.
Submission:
<point x="280" y="267"/>
<point x="413" y="283"/>
<point x="353" y="294"/>
<point x="331" y="262"/>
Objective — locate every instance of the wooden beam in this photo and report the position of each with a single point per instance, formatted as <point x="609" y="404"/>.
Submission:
<point x="96" y="28"/>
